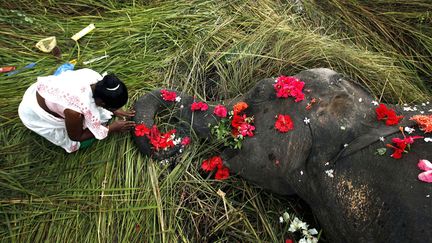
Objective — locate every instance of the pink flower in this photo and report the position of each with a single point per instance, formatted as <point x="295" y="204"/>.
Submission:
<point x="199" y="106"/>
<point x="168" y="95"/>
<point x="425" y="165"/>
<point x="220" y="111"/>
<point x="289" y="86"/>
<point x="246" y="129"/>
<point x="185" y="141"/>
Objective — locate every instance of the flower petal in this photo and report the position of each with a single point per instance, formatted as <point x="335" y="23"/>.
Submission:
<point x="426" y="176"/>
<point x="424" y="164"/>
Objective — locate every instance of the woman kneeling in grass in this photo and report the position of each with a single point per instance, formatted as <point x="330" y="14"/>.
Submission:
<point x="70" y="109"/>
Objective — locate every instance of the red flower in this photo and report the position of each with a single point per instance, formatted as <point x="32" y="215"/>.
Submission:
<point x="168" y="95"/>
<point x="239" y="107"/>
<point x="185" y="141"/>
<point x="284" y="123"/>
<point x="246" y="129"/>
<point x="238" y="120"/>
<point x="289" y="86"/>
<point x="199" y="106"/>
<point x="141" y="130"/>
<point x="220" y="111"/>
<point x="222" y="173"/>
<point x="383" y="113"/>
<point x="289" y="241"/>
<point x="212" y="163"/>
<point x="398" y="150"/>
<point x="401" y="144"/>
<point x="161" y="141"/>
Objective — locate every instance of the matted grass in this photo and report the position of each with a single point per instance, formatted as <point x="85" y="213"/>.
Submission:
<point x="211" y="49"/>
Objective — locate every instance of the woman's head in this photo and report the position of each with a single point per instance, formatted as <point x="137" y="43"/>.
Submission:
<point x="111" y="92"/>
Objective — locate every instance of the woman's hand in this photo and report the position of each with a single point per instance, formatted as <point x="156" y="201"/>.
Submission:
<point x="124" y="114"/>
<point x="121" y="126"/>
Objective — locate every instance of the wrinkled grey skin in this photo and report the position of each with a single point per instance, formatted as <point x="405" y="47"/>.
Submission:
<point x="368" y="198"/>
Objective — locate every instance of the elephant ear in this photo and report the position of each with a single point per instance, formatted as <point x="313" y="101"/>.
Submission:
<point x="342" y="111"/>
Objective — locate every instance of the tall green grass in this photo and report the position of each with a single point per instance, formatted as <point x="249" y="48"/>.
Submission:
<point x="211" y="49"/>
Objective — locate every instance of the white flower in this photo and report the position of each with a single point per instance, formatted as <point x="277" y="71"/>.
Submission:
<point x="381" y="139"/>
<point x="313" y="231"/>
<point x="297" y="224"/>
<point x="360" y="100"/>
<point x="286" y="216"/>
<point x="177" y="141"/>
<point x="408" y="109"/>
<point x="421" y="112"/>
<point x="181" y="106"/>
<point x="428" y="139"/>
<point x="423" y="104"/>
<point x="409" y="130"/>
<point x="301" y="172"/>
<point x="329" y="173"/>
<point x="428" y="195"/>
<point x="427" y="103"/>
<point x="342" y="127"/>
<point x="281" y="220"/>
<point x="374" y="102"/>
<point x="178" y="99"/>
<point x="306" y="120"/>
<point x="302" y="240"/>
<point x="345" y="145"/>
<point x="327" y="163"/>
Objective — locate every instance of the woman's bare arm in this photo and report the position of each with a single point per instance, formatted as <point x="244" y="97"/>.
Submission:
<point x="74" y="126"/>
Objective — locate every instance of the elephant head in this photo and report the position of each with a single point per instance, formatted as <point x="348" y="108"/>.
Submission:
<point x="329" y="159"/>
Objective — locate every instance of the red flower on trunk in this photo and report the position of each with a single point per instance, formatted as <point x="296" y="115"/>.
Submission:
<point x="222" y="173"/>
<point x="141" y="130"/>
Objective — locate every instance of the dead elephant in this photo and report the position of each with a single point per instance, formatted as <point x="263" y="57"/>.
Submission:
<point x="331" y="162"/>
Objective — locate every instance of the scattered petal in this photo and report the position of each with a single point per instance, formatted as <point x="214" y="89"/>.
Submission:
<point x="426" y="176"/>
<point x="306" y="120"/>
<point x="345" y="145"/>
<point x="375" y="103"/>
<point x="360" y="100"/>
<point x="281" y="220"/>
<point x="424" y="164"/>
<point x="409" y="130"/>
<point x="178" y="99"/>
<point x="342" y="127"/>
<point x="329" y="173"/>
<point x="381" y="139"/>
<point x="428" y="139"/>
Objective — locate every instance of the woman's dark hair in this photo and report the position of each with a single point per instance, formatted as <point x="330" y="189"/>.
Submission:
<point x="111" y="91"/>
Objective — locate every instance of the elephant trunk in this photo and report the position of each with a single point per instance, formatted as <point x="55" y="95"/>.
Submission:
<point x="150" y="104"/>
